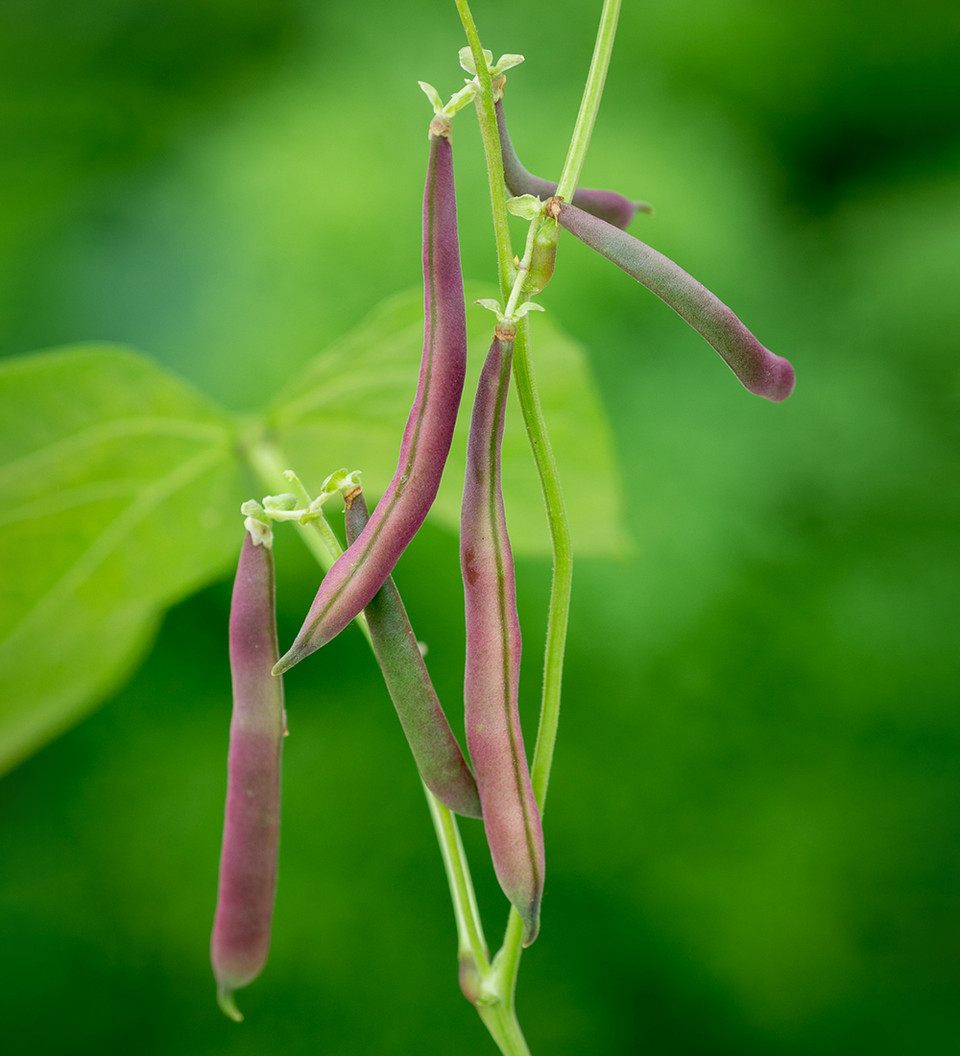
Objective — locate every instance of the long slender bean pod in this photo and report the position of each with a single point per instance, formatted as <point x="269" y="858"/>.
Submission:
<point x="360" y="572"/>
<point x="251" y="830"/>
<point x="492" y="679"/>
<point x="759" y="370"/>
<point x="435" y="750"/>
<point x="610" y="206"/>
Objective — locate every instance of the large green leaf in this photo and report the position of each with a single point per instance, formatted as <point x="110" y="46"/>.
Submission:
<point x="117" y="498"/>
<point x="348" y="407"/>
<point x="120" y="488"/>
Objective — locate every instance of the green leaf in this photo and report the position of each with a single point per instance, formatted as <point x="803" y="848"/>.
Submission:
<point x="349" y="406"/>
<point x="118" y="498"/>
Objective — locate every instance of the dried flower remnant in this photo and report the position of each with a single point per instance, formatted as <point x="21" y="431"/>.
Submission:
<point x="759" y="370"/>
<point x="360" y="572"/>
<point x="251" y="830"/>
<point x="511" y="817"/>
<point x="435" y="750"/>
<point x="608" y="205"/>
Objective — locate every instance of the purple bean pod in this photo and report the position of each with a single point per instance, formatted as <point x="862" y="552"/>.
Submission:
<point x="361" y="570"/>
<point x="511" y="817"/>
<point x="435" y="750"/>
<point x="759" y="370"/>
<point x="251" y="829"/>
<point x="608" y="205"/>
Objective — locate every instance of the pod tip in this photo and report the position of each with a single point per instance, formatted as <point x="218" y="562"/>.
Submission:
<point x="282" y="665"/>
<point x="531" y="929"/>
<point x="530" y="916"/>
<point x="291" y="657"/>
<point x="779" y="381"/>
<point x="227" y="1004"/>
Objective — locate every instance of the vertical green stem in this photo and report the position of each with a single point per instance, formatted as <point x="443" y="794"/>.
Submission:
<point x="590" y="103"/>
<point x="562" y="583"/>
<point x="491" y="149"/>
<point x="470" y="938"/>
<point x="536" y="427"/>
<point x="507" y="961"/>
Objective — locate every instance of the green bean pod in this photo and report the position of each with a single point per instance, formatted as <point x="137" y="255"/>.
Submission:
<point x="760" y="371"/>
<point x="251" y="830"/>
<point x="511" y="817"/>
<point x="435" y="750"/>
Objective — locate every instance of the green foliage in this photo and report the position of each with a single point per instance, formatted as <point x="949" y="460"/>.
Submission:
<point x="753" y="819"/>
<point x="121" y="492"/>
<point x="350" y="401"/>
<point x="115" y="502"/>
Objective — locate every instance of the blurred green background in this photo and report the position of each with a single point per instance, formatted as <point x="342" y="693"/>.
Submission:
<point x="753" y="832"/>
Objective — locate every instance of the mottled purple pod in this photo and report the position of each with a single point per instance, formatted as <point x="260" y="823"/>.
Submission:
<point x="608" y="205"/>
<point x="511" y="817"/>
<point x="759" y="370"/>
<point x="361" y="570"/>
<point x="251" y="829"/>
<point x="435" y="750"/>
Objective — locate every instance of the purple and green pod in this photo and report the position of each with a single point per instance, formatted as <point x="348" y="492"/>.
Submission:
<point x="251" y="829"/>
<point x="608" y="205"/>
<point x="759" y="370"/>
<point x="511" y="817"/>
<point x="361" y="570"/>
<point x="435" y="750"/>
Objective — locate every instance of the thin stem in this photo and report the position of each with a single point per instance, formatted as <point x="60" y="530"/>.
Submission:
<point x="590" y="103"/>
<point x="487" y="118"/>
<point x="562" y="582"/>
<point x="531" y="409"/>
<point x="470" y="937"/>
<point x="523" y="270"/>
<point x="507" y="960"/>
<point x="496" y="1008"/>
<point x="501" y="1021"/>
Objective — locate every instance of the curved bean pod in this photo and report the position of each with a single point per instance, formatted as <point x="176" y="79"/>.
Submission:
<point x="759" y="370"/>
<point x="361" y="570"/>
<point x="435" y="749"/>
<point x="511" y="817"/>
<point x="608" y="205"/>
<point x="251" y="829"/>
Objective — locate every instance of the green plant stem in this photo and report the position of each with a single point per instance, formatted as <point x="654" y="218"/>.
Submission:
<point x="561" y="586"/>
<point x="544" y="458"/>
<point x="523" y="270"/>
<point x="496" y="1008"/>
<point x="470" y="939"/>
<point x="507" y="961"/>
<point x="590" y="103"/>
<point x="501" y="1021"/>
<point x="487" y="118"/>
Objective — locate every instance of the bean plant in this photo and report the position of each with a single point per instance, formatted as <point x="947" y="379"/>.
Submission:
<point x="497" y="782"/>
